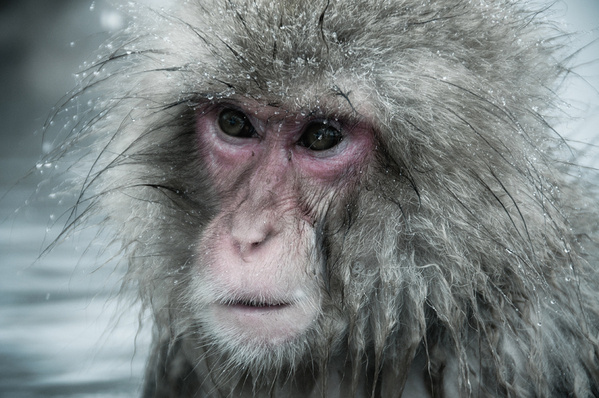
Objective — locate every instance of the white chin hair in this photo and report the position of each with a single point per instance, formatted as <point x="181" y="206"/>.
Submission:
<point x="261" y="336"/>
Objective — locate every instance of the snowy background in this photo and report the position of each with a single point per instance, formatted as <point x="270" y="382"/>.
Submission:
<point x="59" y="332"/>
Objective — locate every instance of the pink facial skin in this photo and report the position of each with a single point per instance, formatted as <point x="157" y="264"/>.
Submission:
<point x="258" y="252"/>
<point x="276" y="150"/>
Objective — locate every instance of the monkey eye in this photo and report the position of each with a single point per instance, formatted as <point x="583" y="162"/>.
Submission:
<point x="320" y="137"/>
<point x="235" y="123"/>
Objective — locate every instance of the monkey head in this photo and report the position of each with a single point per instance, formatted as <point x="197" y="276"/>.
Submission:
<point x="342" y="197"/>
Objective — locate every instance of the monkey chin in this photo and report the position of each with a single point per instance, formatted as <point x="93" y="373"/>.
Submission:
<point x="256" y="335"/>
<point x="256" y="309"/>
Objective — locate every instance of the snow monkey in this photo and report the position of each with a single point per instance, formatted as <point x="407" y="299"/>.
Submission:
<point x="345" y="198"/>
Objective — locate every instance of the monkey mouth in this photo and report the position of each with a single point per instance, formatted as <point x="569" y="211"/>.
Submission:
<point x="260" y="321"/>
<point x="257" y="304"/>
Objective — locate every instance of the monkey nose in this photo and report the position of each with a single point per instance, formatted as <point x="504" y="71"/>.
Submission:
<point x="251" y="236"/>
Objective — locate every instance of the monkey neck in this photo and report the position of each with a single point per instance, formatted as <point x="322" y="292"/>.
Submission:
<point x="172" y="370"/>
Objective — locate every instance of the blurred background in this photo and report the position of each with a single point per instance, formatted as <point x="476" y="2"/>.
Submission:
<point x="62" y="334"/>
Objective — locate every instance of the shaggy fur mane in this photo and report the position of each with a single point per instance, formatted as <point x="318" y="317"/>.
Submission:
<point x="466" y="254"/>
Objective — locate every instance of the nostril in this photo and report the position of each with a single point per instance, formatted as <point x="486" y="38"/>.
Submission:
<point x="255" y="239"/>
<point x="261" y="235"/>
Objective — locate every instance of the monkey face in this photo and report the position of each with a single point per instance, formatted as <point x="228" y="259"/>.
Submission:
<point x="259" y="260"/>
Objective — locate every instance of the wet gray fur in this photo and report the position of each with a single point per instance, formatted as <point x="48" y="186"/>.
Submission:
<point x="464" y="262"/>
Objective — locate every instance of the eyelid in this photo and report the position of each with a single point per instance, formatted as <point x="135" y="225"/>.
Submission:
<point x="330" y="121"/>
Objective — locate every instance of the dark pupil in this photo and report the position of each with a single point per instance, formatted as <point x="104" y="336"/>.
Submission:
<point x="320" y="137"/>
<point x="235" y="124"/>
